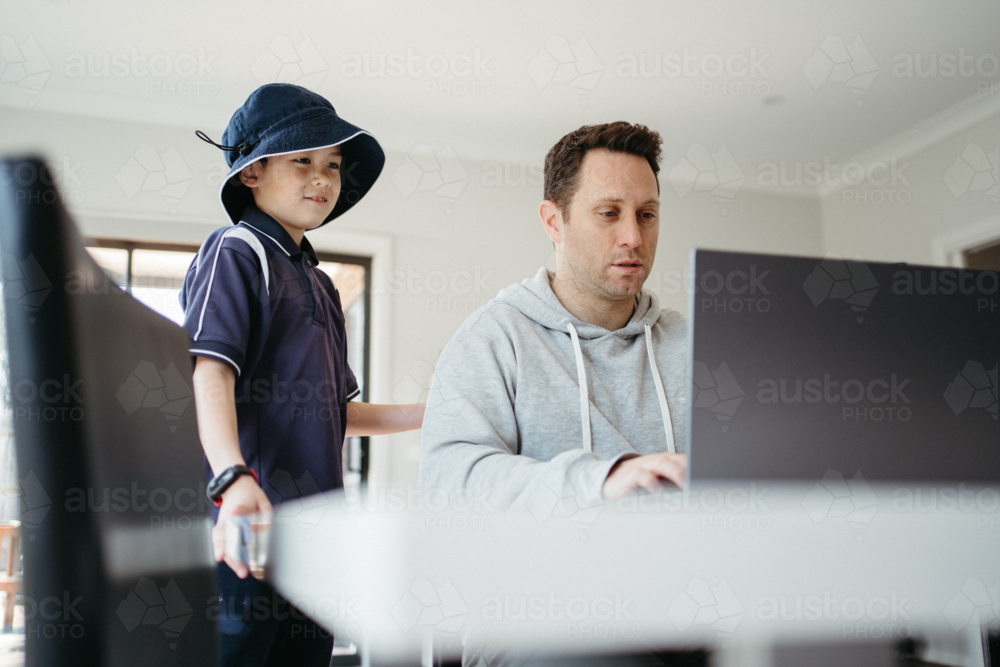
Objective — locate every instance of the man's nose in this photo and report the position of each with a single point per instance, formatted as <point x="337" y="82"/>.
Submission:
<point x="628" y="234"/>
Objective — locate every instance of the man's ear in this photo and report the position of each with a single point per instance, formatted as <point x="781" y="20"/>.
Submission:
<point x="552" y="220"/>
<point x="250" y="175"/>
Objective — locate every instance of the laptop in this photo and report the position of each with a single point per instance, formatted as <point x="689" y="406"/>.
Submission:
<point x="805" y="365"/>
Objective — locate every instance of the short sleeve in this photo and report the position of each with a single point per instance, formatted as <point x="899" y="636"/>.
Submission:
<point x="225" y="297"/>
<point x="351" y="388"/>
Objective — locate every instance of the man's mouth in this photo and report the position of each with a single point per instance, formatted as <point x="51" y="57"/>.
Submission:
<point x="628" y="267"/>
<point x="319" y="199"/>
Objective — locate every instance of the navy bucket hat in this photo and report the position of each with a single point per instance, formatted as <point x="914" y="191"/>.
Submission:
<point x="281" y="118"/>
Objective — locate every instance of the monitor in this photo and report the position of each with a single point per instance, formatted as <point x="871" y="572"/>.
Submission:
<point x="115" y="533"/>
<point x="802" y="366"/>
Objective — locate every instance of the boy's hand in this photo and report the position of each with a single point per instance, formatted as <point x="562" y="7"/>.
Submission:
<point x="243" y="497"/>
<point x="653" y="473"/>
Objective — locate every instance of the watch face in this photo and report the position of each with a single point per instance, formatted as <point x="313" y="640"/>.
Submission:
<point x="216" y="485"/>
<point x="224" y="480"/>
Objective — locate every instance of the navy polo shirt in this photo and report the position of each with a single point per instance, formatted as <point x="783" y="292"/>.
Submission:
<point x="257" y="302"/>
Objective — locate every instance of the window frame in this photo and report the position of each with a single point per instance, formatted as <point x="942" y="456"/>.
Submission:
<point x="323" y="256"/>
<point x="136" y="245"/>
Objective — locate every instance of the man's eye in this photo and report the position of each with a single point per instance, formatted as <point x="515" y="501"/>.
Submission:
<point x="333" y="165"/>
<point x="303" y="160"/>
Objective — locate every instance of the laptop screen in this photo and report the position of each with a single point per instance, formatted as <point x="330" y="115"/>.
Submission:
<point x="801" y="366"/>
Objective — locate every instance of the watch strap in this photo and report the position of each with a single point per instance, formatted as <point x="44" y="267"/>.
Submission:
<point x="225" y="479"/>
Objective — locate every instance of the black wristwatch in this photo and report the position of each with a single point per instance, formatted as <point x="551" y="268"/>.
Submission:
<point x="224" y="480"/>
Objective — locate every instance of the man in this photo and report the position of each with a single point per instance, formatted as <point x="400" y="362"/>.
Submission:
<point x="575" y="380"/>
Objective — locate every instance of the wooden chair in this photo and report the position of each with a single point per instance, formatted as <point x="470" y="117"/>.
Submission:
<point x="10" y="569"/>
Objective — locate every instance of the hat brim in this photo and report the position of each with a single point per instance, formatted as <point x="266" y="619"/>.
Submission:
<point x="361" y="164"/>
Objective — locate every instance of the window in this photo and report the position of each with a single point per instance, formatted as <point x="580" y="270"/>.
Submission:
<point x="983" y="257"/>
<point x="352" y="277"/>
<point x="154" y="273"/>
<point x="10" y="491"/>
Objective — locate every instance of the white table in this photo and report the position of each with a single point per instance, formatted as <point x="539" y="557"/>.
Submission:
<point x="734" y="570"/>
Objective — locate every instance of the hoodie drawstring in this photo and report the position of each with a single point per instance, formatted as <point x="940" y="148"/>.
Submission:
<point x="581" y="374"/>
<point x="668" y="426"/>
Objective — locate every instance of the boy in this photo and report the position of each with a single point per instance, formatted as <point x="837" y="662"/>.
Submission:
<point x="271" y="379"/>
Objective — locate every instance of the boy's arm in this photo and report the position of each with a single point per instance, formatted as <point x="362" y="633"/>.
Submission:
<point x="214" y="386"/>
<point x="369" y="419"/>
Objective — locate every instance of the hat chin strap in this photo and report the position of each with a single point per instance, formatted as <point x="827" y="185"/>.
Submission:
<point x="244" y="148"/>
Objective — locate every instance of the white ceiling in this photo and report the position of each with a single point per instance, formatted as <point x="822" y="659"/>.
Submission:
<point x="548" y="67"/>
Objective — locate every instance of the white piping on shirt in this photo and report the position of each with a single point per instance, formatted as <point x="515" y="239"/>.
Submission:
<point x="255" y="245"/>
<point x="273" y="240"/>
<point x="216" y="354"/>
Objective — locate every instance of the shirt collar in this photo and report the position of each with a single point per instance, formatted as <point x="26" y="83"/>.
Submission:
<point x="256" y="219"/>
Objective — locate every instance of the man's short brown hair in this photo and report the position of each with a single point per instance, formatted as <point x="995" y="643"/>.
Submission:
<point x="562" y="164"/>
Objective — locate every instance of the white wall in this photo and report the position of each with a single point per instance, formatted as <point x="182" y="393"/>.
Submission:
<point x="861" y="221"/>
<point x="437" y="259"/>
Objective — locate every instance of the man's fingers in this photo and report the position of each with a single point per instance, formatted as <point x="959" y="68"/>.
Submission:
<point x="649" y="481"/>
<point x="672" y="469"/>
<point x="674" y="473"/>
<point x="653" y="473"/>
<point x="676" y="459"/>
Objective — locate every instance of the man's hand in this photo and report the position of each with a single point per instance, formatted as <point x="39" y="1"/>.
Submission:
<point x="653" y="473"/>
<point x="243" y="497"/>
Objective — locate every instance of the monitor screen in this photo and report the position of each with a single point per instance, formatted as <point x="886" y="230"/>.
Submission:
<point x="115" y="532"/>
<point x="803" y="365"/>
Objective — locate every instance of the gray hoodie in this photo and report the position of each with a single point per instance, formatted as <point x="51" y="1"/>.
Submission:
<point x="526" y="396"/>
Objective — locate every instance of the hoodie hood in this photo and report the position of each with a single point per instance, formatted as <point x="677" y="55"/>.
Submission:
<point x="529" y="401"/>
<point x="535" y="299"/>
<point x="546" y="310"/>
